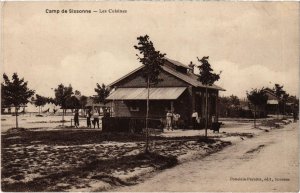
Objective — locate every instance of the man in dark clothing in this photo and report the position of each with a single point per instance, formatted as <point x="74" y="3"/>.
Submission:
<point x="96" y="118"/>
<point x="76" y="119"/>
<point x="88" y="119"/>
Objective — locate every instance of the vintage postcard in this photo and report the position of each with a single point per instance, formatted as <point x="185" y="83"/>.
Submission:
<point x="150" y="96"/>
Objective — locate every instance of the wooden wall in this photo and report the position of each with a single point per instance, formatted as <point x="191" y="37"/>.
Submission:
<point x="136" y="80"/>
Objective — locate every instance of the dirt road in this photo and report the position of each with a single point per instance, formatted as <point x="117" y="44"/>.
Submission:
<point x="268" y="162"/>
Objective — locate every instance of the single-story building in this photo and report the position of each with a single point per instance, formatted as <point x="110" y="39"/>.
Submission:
<point x="101" y="107"/>
<point x="179" y="91"/>
<point x="272" y="102"/>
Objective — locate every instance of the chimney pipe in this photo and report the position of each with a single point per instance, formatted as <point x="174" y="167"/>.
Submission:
<point x="191" y="65"/>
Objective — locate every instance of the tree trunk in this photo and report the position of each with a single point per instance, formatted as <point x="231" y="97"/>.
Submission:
<point x="284" y="109"/>
<point x="147" y="116"/>
<point x="278" y="110"/>
<point x="63" y="117"/>
<point x="16" y="113"/>
<point x="206" y="111"/>
<point x="255" y="116"/>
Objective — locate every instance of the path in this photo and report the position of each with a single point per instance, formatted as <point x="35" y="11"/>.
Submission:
<point x="272" y="155"/>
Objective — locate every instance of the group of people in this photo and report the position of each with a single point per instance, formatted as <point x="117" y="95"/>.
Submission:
<point x="95" y="115"/>
<point x="172" y="120"/>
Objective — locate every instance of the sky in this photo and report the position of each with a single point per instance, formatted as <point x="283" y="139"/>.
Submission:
<point x="254" y="44"/>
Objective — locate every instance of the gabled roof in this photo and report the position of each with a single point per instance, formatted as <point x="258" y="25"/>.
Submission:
<point x="188" y="77"/>
<point x="271" y="94"/>
<point x="176" y="63"/>
<point x="125" y="76"/>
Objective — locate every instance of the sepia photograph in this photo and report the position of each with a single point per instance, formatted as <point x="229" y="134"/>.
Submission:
<point x="150" y="96"/>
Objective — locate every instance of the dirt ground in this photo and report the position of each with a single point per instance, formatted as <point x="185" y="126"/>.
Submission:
<point x="89" y="160"/>
<point x="266" y="163"/>
<point x="65" y="159"/>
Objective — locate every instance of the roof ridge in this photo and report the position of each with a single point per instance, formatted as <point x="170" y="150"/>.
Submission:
<point x="181" y="76"/>
<point x="189" y="79"/>
<point x="177" y="63"/>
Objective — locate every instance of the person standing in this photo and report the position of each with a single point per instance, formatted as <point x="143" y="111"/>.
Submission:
<point x="76" y="118"/>
<point x="176" y="120"/>
<point x="169" y="120"/>
<point x="88" y="119"/>
<point x="195" y="119"/>
<point x="96" y="118"/>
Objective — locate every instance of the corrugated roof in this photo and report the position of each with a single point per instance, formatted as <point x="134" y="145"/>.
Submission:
<point x="178" y="63"/>
<point x="164" y="93"/>
<point x="272" y="102"/>
<point x="270" y="93"/>
<point x="190" y="78"/>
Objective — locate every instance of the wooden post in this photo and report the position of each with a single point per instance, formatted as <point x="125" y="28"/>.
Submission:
<point x="206" y="110"/>
<point x="192" y="107"/>
<point x="16" y="114"/>
<point x="254" y="116"/>
<point x="63" y="117"/>
<point x="217" y="106"/>
<point x="147" y="116"/>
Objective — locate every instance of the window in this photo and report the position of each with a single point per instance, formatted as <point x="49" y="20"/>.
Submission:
<point x="133" y="106"/>
<point x="135" y="109"/>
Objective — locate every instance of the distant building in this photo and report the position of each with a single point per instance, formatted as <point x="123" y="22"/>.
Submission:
<point x="179" y="91"/>
<point x="272" y="102"/>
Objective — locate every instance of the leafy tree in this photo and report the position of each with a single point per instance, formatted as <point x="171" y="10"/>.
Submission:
<point x="257" y="98"/>
<point x="279" y="92"/>
<point x="284" y="100"/>
<point x="234" y="101"/>
<point x="102" y="92"/>
<point x="72" y="103"/>
<point x="40" y="101"/>
<point x="278" y="89"/>
<point x="152" y="61"/>
<point x="15" y="92"/>
<point x="51" y="100"/>
<point x="83" y="101"/>
<point x="224" y="105"/>
<point x="207" y="78"/>
<point x="62" y="93"/>
<point x="229" y="103"/>
<point x="77" y="93"/>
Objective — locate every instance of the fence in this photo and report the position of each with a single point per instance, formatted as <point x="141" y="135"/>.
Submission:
<point x="129" y="124"/>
